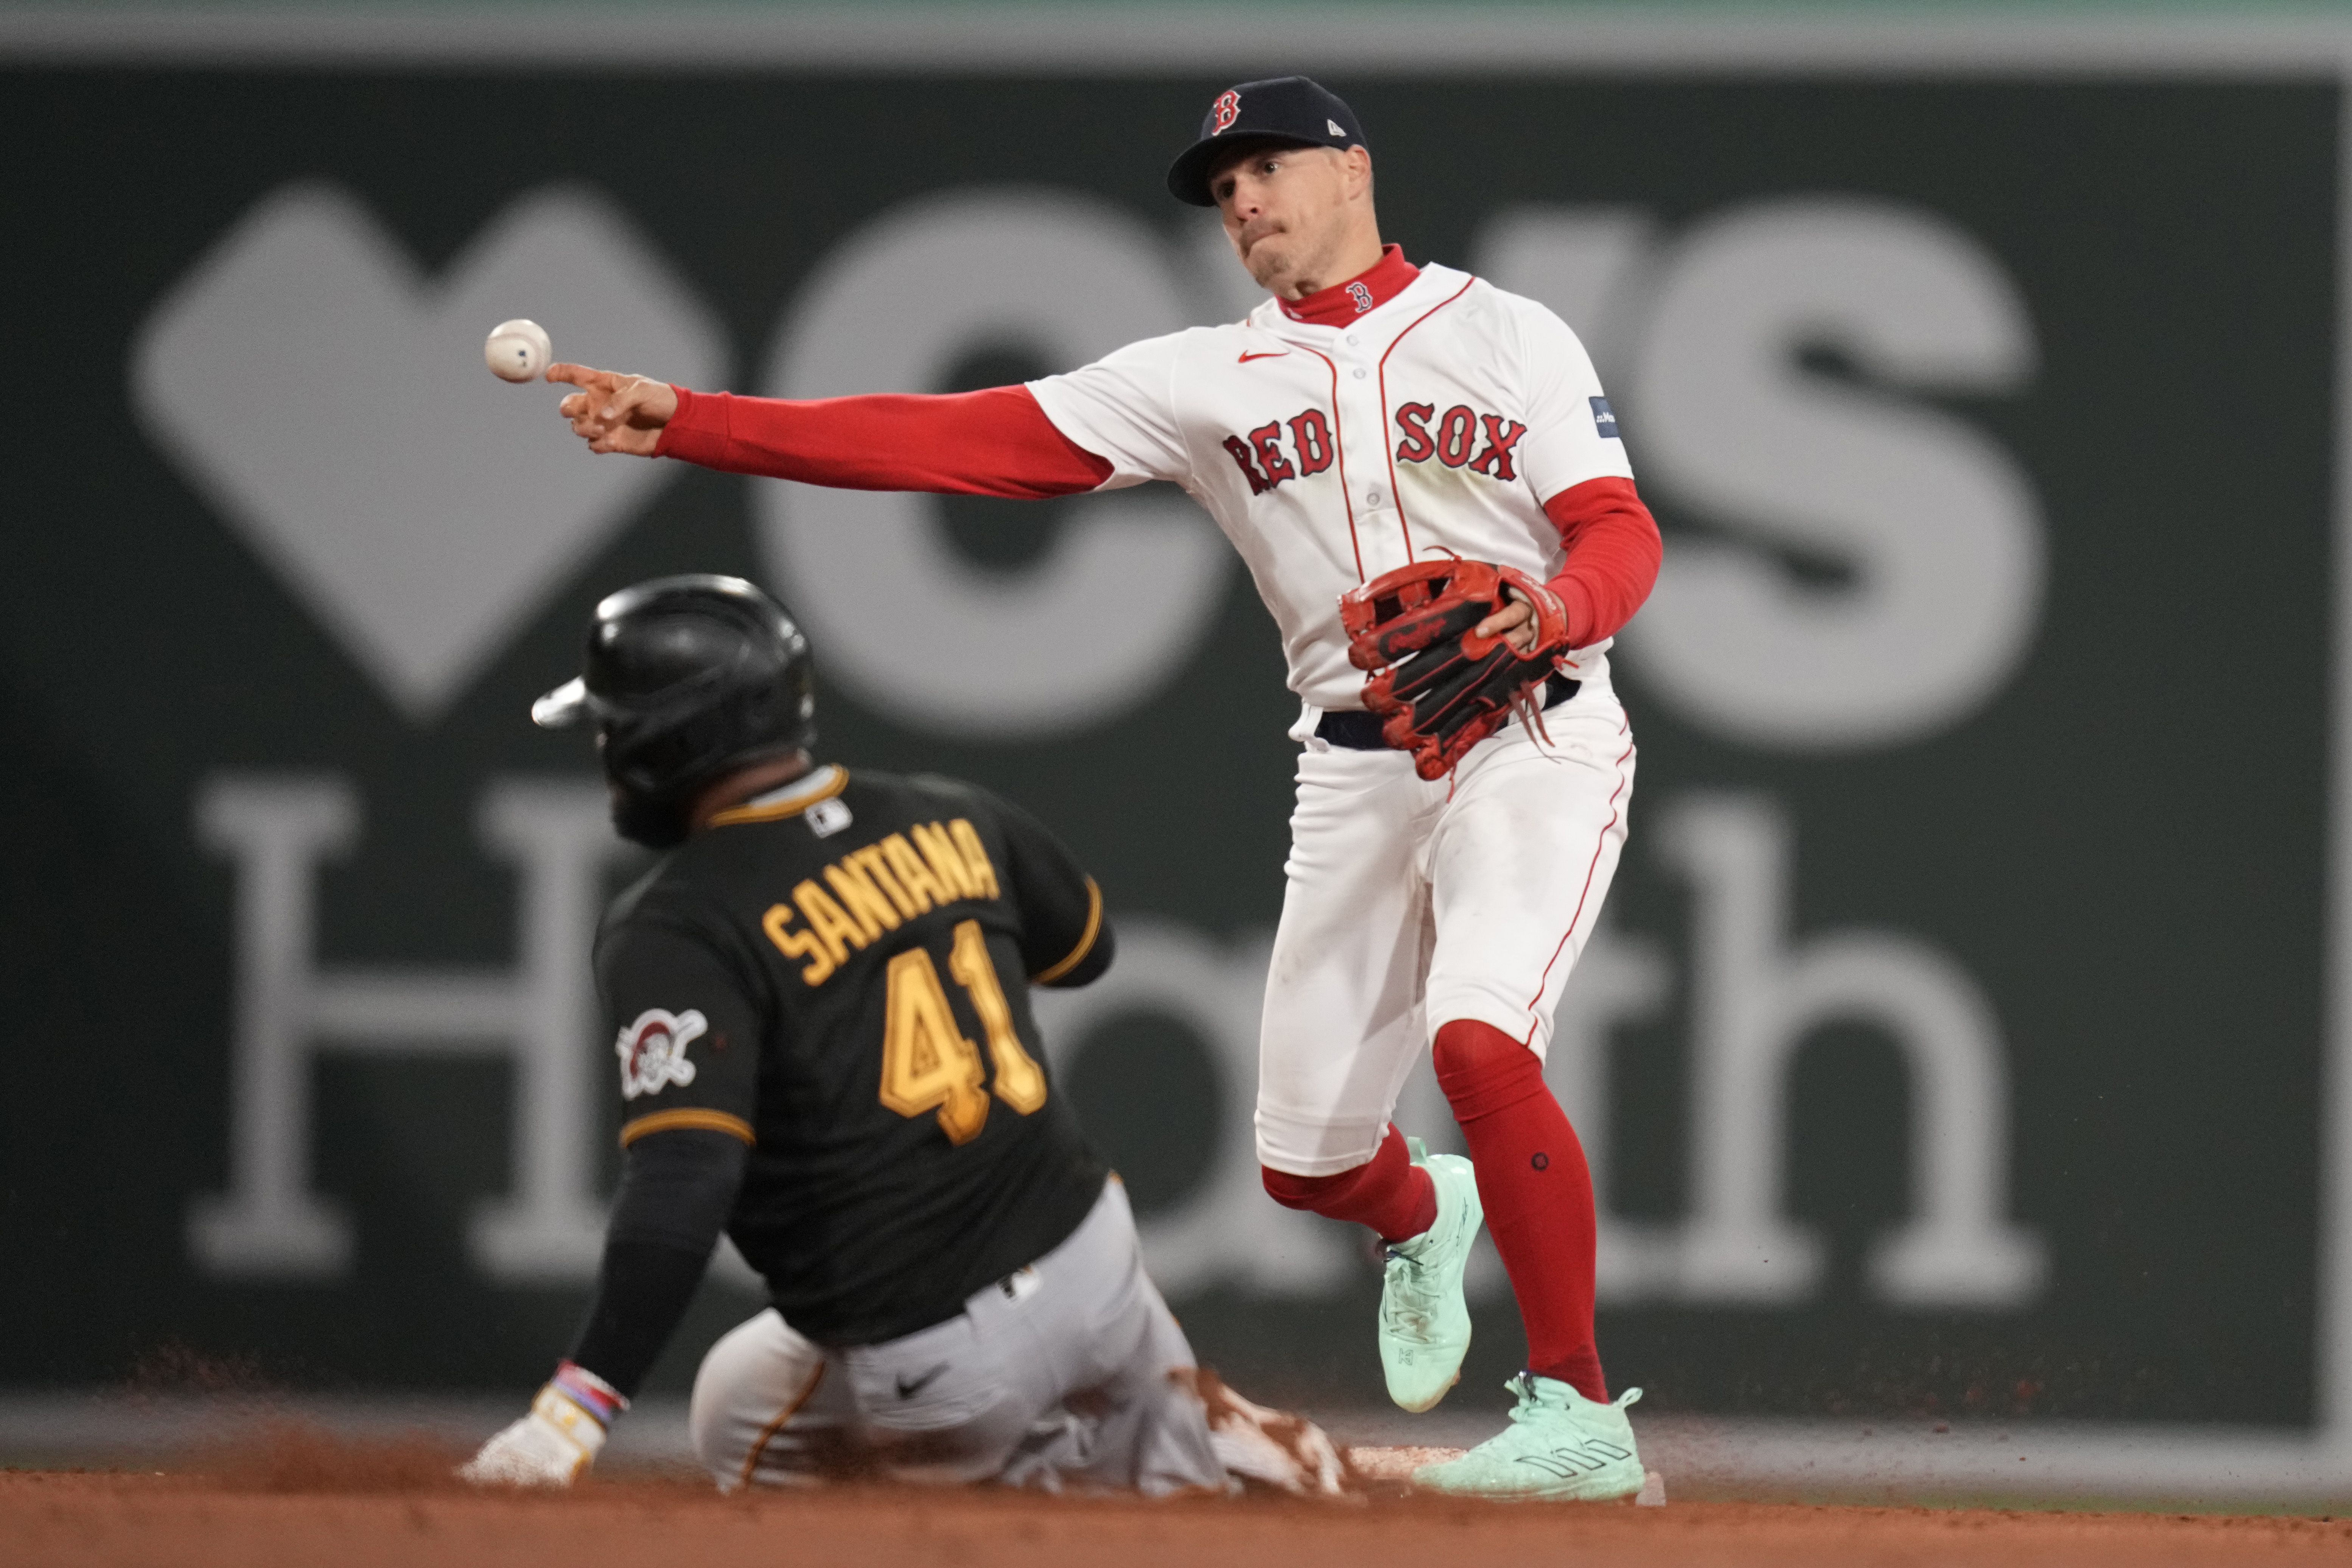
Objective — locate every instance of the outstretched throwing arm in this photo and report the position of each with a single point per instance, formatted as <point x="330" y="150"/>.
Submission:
<point x="996" y="442"/>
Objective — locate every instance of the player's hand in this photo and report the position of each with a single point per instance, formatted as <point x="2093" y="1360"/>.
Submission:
<point x="1515" y="623"/>
<point x="551" y="1446"/>
<point x="615" y="413"/>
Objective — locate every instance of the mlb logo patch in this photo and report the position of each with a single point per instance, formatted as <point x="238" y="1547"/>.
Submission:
<point x="1603" y="420"/>
<point x="827" y="818"/>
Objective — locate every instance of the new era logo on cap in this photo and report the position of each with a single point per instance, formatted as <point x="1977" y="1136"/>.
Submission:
<point x="1291" y="110"/>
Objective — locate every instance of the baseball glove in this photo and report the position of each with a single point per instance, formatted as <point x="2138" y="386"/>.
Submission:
<point x="1439" y="689"/>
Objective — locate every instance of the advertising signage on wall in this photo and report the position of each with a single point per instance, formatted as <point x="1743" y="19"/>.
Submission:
<point x="1955" y="1041"/>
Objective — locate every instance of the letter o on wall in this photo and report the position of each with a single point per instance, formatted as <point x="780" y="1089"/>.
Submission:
<point x="910" y="629"/>
<point x="1937" y="523"/>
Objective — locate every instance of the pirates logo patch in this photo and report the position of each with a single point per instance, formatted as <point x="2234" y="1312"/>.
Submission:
<point x="653" y="1050"/>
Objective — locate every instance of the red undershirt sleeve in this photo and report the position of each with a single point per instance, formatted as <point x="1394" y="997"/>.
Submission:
<point x="996" y="442"/>
<point x="1613" y="556"/>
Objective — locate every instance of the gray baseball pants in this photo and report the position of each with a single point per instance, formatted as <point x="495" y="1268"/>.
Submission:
<point x="1056" y="1375"/>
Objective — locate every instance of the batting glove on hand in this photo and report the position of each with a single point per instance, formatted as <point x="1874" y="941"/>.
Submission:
<point x="557" y="1441"/>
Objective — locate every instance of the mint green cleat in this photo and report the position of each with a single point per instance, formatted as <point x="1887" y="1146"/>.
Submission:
<point x="1424" y="1322"/>
<point x="1560" y="1446"/>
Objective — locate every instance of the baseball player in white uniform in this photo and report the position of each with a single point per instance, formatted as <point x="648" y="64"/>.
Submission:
<point x="1369" y="420"/>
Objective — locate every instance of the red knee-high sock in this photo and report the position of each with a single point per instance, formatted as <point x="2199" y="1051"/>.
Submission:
<point x="1388" y="1191"/>
<point x="1538" y="1191"/>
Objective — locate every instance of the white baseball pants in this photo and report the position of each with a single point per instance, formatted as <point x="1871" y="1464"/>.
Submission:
<point x="1411" y="904"/>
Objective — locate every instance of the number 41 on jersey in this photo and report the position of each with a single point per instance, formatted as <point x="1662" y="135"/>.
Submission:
<point x="927" y="1062"/>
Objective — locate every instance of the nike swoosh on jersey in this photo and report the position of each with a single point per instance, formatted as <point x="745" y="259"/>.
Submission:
<point x="909" y="1390"/>
<point x="1262" y="353"/>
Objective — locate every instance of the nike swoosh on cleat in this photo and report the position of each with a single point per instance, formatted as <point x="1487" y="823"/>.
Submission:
<point x="1266" y="353"/>
<point x="909" y="1390"/>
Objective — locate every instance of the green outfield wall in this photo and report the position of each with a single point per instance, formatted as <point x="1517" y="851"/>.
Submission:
<point x="1955" y="1041"/>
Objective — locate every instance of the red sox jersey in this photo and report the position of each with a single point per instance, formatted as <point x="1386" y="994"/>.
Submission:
<point x="1436" y="420"/>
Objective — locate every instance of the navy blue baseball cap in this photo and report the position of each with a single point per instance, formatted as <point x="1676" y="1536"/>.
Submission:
<point x="1289" y="111"/>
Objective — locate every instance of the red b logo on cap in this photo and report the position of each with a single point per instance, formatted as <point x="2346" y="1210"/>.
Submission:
<point x="1227" y="109"/>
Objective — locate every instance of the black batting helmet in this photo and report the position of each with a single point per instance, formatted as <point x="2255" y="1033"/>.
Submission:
<point x="686" y="678"/>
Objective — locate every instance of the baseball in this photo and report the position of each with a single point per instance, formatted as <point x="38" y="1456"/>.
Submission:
<point x="518" y="351"/>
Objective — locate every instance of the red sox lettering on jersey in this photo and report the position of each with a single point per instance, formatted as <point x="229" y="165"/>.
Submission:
<point x="1457" y="431"/>
<point x="1437" y="417"/>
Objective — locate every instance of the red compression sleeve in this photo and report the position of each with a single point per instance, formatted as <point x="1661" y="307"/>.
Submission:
<point x="1613" y="556"/>
<point x="997" y="442"/>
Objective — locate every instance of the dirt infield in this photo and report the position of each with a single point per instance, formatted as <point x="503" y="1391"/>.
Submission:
<point x="295" y="1501"/>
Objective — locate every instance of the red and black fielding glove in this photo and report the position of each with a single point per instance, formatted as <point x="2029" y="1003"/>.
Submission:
<point x="1438" y="688"/>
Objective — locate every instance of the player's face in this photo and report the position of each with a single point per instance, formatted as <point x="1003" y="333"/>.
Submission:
<point x="1290" y="210"/>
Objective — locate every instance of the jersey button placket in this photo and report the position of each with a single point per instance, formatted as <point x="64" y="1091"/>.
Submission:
<point x="1381" y="476"/>
<point x="1367" y="421"/>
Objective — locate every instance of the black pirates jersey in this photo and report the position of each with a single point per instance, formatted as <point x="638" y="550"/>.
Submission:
<point x="838" y="972"/>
